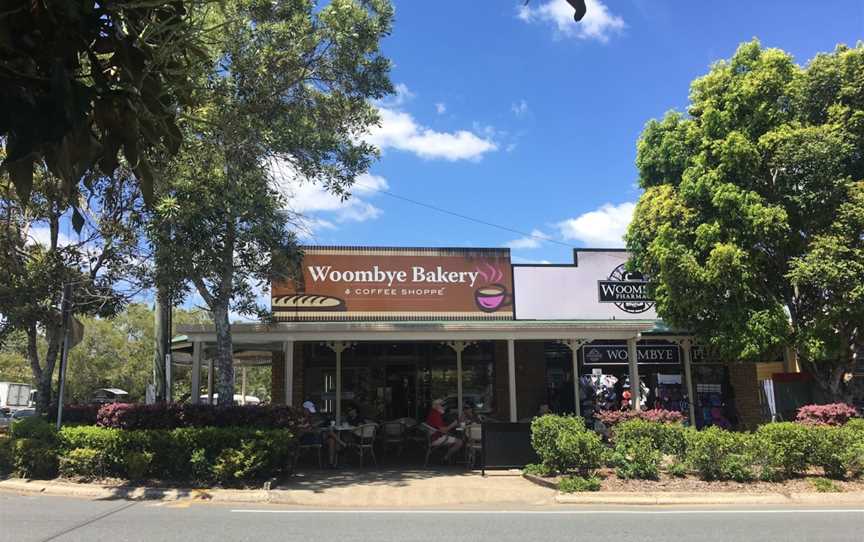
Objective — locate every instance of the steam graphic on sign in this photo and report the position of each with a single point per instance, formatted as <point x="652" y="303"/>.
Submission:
<point x="491" y="295"/>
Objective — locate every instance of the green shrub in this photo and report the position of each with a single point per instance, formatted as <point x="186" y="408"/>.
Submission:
<point x="823" y="485"/>
<point x="636" y="457"/>
<point x="545" y="432"/>
<point x="199" y="465"/>
<point x="678" y="470"/>
<point x="783" y="450"/>
<point x="137" y="464"/>
<point x="717" y="454"/>
<point x="579" y="450"/>
<point x="34" y="458"/>
<point x="855" y="424"/>
<point x="33" y="427"/>
<point x="5" y="456"/>
<point x="578" y="484"/>
<point x="86" y="463"/>
<point x="666" y="438"/>
<point x="110" y="443"/>
<point x="537" y="469"/>
<point x="838" y="450"/>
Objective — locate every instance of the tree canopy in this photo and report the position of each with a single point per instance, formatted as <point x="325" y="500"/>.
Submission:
<point x="82" y="83"/>
<point x="287" y="99"/>
<point x="749" y="224"/>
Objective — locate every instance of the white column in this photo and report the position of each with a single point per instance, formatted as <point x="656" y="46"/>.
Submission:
<point x="511" y="377"/>
<point x="210" y="381"/>
<point x="458" y="347"/>
<point x="243" y="385"/>
<point x="288" y="357"/>
<point x="196" y="372"/>
<point x="688" y="381"/>
<point x="635" y="389"/>
<point x="338" y="347"/>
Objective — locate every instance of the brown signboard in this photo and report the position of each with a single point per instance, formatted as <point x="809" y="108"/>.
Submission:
<point x="357" y="283"/>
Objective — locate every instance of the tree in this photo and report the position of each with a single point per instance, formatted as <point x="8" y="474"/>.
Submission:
<point x="81" y="81"/>
<point x="741" y="198"/>
<point x="289" y="91"/>
<point x="116" y="352"/>
<point x="104" y="264"/>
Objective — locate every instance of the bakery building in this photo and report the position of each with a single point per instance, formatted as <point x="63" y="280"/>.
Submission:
<point x="389" y="329"/>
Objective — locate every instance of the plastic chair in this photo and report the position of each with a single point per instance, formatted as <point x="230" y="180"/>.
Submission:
<point x="473" y="443"/>
<point x="394" y="435"/>
<point x="305" y="447"/>
<point x="365" y="440"/>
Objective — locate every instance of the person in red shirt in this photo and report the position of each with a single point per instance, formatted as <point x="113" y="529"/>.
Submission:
<point x="435" y="419"/>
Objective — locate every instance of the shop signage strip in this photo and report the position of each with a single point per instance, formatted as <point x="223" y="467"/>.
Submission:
<point x="616" y="354"/>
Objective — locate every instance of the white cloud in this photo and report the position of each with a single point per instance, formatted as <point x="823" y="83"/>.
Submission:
<point x="315" y="209"/>
<point x="41" y="235"/>
<point x="519" y="259"/>
<point x="520" y="108"/>
<point x="401" y="95"/>
<point x="399" y="130"/>
<point x="603" y="228"/>
<point x="534" y="240"/>
<point x="440" y="108"/>
<point x="598" y="23"/>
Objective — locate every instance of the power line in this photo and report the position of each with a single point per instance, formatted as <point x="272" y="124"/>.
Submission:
<point x="464" y="217"/>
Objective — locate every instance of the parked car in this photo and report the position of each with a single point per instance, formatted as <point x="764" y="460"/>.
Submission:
<point x="20" y="414"/>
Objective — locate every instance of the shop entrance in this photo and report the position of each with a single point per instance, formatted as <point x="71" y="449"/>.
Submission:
<point x="400" y="391"/>
<point x="388" y="381"/>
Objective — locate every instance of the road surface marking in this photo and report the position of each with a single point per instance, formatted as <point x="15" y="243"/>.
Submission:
<point x="557" y="512"/>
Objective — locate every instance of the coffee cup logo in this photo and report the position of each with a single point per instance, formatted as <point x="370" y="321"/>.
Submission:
<point x="492" y="295"/>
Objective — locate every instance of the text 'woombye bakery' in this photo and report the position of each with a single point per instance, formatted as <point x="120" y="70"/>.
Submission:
<point x="436" y="275"/>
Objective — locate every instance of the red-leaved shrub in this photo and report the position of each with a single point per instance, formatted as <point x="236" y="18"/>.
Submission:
<point x="833" y="414"/>
<point x="173" y="415"/>
<point x="610" y="418"/>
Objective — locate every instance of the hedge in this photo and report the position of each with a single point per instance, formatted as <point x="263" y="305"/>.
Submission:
<point x="564" y="444"/>
<point x="773" y="452"/>
<point x="611" y="418"/>
<point x="225" y="454"/>
<point x="174" y="415"/>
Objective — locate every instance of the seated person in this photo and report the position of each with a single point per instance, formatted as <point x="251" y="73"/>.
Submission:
<point x="354" y="418"/>
<point x="468" y="414"/>
<point x="435" y="419"/>
<point x="314" y="430"/>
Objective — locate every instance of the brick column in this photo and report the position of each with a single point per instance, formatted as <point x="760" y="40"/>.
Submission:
<point x="502" y="398"/>
<point x="745" y="385"/>
<point x="277" y="378"/>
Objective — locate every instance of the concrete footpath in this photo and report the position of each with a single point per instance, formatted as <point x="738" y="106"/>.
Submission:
<point x="330" y="489"/>
<point x="416" y="489"/>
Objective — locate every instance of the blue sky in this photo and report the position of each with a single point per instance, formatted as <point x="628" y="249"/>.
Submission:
<point x="519" y="116"/>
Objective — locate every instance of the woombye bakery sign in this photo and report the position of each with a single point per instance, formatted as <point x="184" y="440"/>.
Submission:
<point x="352" y="283"/>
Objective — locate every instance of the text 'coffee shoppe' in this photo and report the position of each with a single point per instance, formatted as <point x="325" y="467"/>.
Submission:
<point x="387" y="330"/>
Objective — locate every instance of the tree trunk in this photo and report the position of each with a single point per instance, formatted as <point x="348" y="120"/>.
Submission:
<point x="829" y="378"/>
<point x="44" y="376"/>
<point x="162" y="336"/>
<point x="224" y="360"/>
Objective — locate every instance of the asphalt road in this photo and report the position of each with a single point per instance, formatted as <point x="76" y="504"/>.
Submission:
<point x="39" y="518"/>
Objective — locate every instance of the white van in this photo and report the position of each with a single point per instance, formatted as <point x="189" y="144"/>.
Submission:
<point x="14" y="396"/>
